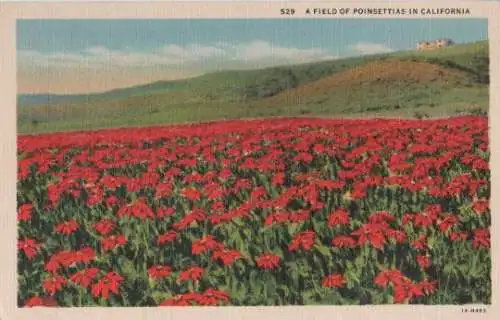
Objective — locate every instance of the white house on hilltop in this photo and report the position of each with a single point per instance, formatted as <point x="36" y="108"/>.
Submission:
<point x="429" y="45"/>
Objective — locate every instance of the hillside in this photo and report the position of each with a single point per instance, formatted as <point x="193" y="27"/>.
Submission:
<point x="378" y="86"/>
<point x="445" y="81"/>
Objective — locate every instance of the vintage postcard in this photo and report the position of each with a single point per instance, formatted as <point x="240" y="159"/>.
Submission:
<point x="249" y="160"/>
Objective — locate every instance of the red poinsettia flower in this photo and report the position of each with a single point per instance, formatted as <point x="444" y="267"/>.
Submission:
<point x="85" y="277"/>
<point x="67" y="227"/>
<point x="339" y="217"/>
<point x="334" y="281"/>
<point x="110" y="283"/>
<point x="303" y="240"/>
<point x="159" y="271"/>
<point x="268" y="261"/>
<point x="193" y="273"/>
<point x="29" y="246"/>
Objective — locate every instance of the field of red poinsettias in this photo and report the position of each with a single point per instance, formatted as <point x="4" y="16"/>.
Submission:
<point x="261" y="212"/>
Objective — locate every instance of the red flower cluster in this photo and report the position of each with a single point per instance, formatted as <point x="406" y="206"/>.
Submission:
<point x="334" y="281"/>
<point x="403" y="288"/>
<point x="67" y="227"/>
<point x="268" y="261"/>
<point x="29" y="246"/>
<point x="276" y="211"/>
<point x="209" y="297"/>
<point x="109" y="283"/>
<point x="66" y="259"/>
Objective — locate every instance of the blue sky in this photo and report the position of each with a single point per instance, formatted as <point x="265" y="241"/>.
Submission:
<point x="181" y="48"/>
<point x="329" y="34"/>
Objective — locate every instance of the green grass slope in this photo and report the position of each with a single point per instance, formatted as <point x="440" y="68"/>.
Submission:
<point x="441" y="82"/>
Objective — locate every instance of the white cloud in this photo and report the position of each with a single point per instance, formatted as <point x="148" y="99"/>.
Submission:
<point x="175" y="56"/>
<point x="193" y="57"/>
<point x="261" y="50"/>
<point x="367" y="48"/>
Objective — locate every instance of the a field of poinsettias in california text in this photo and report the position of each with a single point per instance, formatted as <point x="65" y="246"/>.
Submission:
<point x="260" y="212"/>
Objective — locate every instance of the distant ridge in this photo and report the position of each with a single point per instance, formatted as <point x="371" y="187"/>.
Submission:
<point x="440" y="82"/>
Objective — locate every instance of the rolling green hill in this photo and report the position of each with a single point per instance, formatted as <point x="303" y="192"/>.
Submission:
<point x="441" y="82"/>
